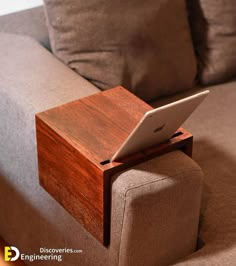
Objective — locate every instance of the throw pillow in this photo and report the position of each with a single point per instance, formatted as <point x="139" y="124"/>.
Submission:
<point x="213" y="26"/>
<point x="144" y="46"/>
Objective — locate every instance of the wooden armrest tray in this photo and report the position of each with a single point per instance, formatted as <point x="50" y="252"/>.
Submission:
<point x="75" y="142"/>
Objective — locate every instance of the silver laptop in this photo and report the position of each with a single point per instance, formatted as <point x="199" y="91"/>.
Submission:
<point x="159" y="125"/>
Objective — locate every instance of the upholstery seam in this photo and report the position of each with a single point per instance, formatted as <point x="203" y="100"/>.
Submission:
<point x="147" y="183"/>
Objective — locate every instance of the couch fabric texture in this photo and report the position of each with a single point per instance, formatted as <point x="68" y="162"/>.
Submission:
<point x="144" y="46"/>
<point x="213" y="127"/>
<point x="30" y="22"/>
<point x="213" y="26"/>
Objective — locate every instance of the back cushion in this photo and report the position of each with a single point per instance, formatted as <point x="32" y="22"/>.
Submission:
<point x="144" y="46"/>
<point x="213" y="26"/>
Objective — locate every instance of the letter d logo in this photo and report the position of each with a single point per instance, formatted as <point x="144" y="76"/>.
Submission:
<point x="9" y="254"/>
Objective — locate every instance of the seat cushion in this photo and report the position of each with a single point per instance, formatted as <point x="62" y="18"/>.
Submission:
<point x="213" y="28"/>
<point x="144" y="46"/>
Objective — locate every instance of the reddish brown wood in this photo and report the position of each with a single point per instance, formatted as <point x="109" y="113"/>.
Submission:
<point x="73" y="141"/>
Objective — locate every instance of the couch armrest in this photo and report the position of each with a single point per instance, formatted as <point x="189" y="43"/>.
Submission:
<point x="30" y="22"/>
<point x="33" y="76"/>
<point x="157" y="205"/>
<point x="31" y="80"/>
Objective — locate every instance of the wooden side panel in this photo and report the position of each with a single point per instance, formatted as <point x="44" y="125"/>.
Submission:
<point x="71" y="179"/>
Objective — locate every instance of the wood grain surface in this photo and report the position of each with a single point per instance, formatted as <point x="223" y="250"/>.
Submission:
<point x="76" y="140"/>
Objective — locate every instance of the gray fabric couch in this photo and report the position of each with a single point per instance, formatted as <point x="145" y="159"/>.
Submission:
<point x="155" y="205"/>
